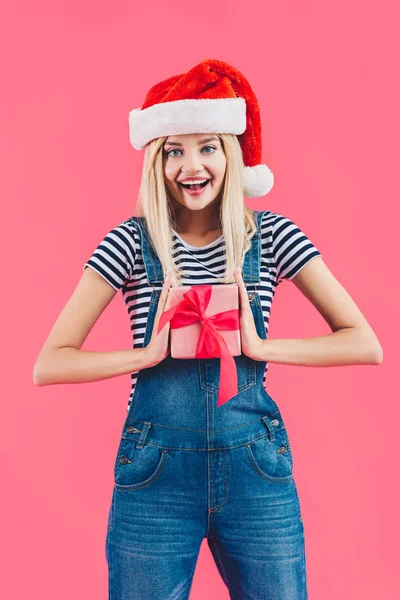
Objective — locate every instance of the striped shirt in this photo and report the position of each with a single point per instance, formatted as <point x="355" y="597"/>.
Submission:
<point x="118" y="259"/>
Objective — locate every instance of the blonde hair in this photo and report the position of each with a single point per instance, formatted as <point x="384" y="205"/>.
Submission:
<point x="237" y="220"/>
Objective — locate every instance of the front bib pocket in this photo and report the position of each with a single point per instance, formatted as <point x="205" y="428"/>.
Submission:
<point x="138" y="467"/>
<point x="209" y="370"/>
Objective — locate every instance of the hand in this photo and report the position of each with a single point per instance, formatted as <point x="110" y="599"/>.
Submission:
<point x="251" y="342"/>
<point x="158" y="349"/>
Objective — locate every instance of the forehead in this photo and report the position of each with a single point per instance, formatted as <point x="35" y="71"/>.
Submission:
<point x="191" y="138"/>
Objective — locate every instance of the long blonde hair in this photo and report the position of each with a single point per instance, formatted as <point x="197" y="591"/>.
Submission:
<point x="236" y="218"/>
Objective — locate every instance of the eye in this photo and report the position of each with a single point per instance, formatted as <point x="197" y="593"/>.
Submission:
<point x="212" y="148"/>
<point x="169" y="153"/>
<point x="174" y="150"/>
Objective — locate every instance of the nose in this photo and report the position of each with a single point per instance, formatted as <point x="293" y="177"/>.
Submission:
<point x="192" y="172"/>
<point x="192" y="165"/>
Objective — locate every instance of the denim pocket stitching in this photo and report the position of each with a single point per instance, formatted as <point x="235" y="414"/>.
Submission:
<point x="251" y="377"/>
<point x="260" y="472"/>
<point x="158" y="470"/>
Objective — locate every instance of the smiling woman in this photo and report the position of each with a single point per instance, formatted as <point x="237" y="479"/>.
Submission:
<point x="197" y="161"/>
<point x="214" y="162"/>
<point x="233" y="459"/>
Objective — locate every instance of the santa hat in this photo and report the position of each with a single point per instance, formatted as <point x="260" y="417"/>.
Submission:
<point x="213" y="97"/>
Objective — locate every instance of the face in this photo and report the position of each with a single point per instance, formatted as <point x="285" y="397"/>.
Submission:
<point x="197" y="157"/>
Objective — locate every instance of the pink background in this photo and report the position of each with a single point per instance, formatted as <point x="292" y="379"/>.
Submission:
<point x="326" y="78"/>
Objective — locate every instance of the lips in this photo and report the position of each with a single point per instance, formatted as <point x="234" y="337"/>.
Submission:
<point x="197" y="178"/>
<point x="193" y="186"/>
<point x="195" y="191"/>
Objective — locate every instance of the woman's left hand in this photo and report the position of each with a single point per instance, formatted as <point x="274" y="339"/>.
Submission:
<point x="251" y="342"/>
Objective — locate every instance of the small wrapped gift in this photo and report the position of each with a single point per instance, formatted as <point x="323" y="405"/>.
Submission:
<point x="204" y="323"/>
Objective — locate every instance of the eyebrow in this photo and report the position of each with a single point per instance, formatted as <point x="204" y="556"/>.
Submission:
<point x="200" y="142"/>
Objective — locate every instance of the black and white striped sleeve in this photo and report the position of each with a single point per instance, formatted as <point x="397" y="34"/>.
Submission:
<point x="114" y="257"/>
<point x="291" y="247"/>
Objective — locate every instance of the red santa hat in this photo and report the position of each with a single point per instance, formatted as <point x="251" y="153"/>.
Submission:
<point x="213" y="97"/>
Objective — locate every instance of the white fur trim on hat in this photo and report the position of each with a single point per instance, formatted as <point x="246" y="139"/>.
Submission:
<point x="257" y="181"/>
<point x="205" y="115"/>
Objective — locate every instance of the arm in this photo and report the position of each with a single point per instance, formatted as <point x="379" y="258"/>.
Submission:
<point x="61" y="360"/>
<point x="353" y="340"/>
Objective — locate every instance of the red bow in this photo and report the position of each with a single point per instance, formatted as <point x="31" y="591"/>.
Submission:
<point x="210" y="344"/>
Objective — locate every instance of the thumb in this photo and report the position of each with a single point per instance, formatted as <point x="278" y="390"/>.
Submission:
<point x="162" y="304"/>
<point x="166" y="288"/>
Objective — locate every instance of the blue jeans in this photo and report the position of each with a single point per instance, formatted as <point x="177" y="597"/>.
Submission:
<point x="186" y="470"/>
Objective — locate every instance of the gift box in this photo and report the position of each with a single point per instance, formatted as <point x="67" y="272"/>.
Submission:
<point x="204" y="323"/>
<point x="222" y="299"/>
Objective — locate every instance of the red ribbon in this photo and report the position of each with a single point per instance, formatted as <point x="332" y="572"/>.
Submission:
<point x="210" y="344"/>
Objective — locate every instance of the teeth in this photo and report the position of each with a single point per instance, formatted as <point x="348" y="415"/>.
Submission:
<point x="194" y="182"/>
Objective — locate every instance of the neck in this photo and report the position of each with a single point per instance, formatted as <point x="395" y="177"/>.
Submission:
<point x="196" y="222"/>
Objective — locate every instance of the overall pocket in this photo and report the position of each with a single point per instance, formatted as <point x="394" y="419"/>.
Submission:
<point x="138" y="467"/>
<point x="272" y="459"/>
<point x="209" y="370"/>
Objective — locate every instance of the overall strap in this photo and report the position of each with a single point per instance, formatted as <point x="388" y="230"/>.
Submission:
<point x="252" y="259"/>
<point x="151" y="261"/>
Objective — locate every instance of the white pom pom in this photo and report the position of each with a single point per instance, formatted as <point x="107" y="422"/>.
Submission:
<point x="257" y="181"/>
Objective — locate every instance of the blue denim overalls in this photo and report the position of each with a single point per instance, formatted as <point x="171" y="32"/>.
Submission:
<point x="186" y="470"/>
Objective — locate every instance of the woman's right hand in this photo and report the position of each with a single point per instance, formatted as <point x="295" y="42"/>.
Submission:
<point x="158" y="349"/>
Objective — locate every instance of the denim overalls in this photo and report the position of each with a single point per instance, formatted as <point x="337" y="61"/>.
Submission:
<point x="186" y="470"/>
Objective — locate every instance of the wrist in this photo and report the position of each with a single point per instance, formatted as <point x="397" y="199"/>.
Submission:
<point x="145" y="361"/>
<point x="261" y="352"/>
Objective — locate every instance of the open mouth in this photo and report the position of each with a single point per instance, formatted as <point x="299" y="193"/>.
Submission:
<point x="194" y="186"/>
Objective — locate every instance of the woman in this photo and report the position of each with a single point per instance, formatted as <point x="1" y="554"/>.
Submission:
<point x="187" y="468"/>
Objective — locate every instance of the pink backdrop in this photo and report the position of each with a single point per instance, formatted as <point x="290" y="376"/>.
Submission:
<point x="326" y="80"/>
